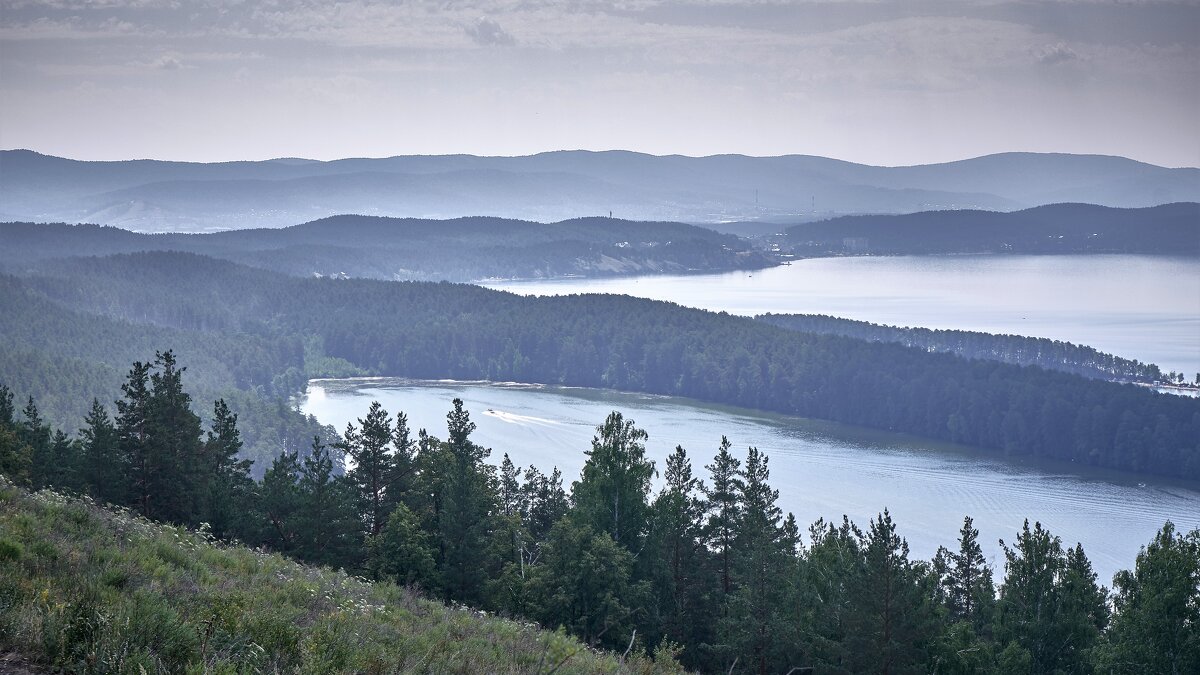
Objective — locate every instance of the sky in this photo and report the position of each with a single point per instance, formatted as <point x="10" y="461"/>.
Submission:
<point x="888" y="82"/>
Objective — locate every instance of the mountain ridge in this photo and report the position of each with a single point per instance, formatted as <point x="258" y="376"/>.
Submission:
<point x="158" y="195"/>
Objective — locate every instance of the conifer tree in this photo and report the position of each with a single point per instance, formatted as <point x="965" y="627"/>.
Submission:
<point x="282" y="502"/>
<point x="35" y="433"/>
<point x="468" y="499"/>
<point x="174" y="487"/>
<point x="893" y="615"/>
<point x="368" y="447"/>
<point x="970" y="593"/>
<point x="332" y="527"/>
<point x="725" y="509"/>
<point x="1050" y="611"/>
<point x="402" y="470"/>
<point x="16" y="457"/>
<point x="103" y="463"/>
<point x="227" y="479"/>
<point x="679" y="559"/>
<point x="133" y="432"/>
<point x="756" y="610"/>
<point x="1156" y="627"/>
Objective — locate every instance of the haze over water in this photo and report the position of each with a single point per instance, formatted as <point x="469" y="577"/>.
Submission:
<point x="820" y="469"/>
<point x="1137" y="307"/>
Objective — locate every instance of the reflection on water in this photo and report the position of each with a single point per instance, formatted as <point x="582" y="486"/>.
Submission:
<point x="1138" y="307"/>
<point x="820" y="469"/>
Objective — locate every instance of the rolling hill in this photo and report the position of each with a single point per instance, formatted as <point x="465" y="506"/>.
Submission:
<point x="148" y="195"/>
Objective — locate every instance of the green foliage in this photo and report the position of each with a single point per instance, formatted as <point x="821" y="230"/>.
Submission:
<point x="1049" y="604"/>
<point x="583" y="584"/>
<point x="247" y="328"/>
<point x="716" y="574"/>
<point x="1156" y="627"/>
<point x="612" y="493"/>
<point x="403" y="553"/>
<point x="232" y="609"/>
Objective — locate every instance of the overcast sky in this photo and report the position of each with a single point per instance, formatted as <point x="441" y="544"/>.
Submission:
<point x="885" y="82"/>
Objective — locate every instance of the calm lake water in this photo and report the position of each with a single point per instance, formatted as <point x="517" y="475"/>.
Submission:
<point x="1138" y="307"/>
<point x="820" y="469"/>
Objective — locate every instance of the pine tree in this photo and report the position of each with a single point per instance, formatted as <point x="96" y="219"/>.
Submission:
<point x="1050" y="611"/>
<point x="893" y="615"/>
<point x="402" y="470"/>
<point x="468" y="499"/>
<point x="368" y="447"/>
<point x="678" y="556"/>
<point x="35" y="433"/>
<point x="756" y="610"/>
<point x="831" y="579"/>
<point x="103" y="463"/>
<point x="281" y="503"/>
<point x="133" y="423"/>
<point x="1027" y="607"/>
<point x="970" y="593"/>
<point x="227" y="479"/>
<point x="725" y="509"/>
<point x="331" y="525"/>
<point x="1082" y="612"/>
<point x="16" y="457"/>
<point x="175" y="486"/>
<point x="1156" y="628"/>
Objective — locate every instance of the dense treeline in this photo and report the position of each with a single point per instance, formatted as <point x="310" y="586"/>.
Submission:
<point x="66" y="358"/>
<point x="466" y="332"/>
<point x="1170" y="229"/>
<point x="1018" y="349"/>
<point x="462" y="249"/>
<point x="713" y="574"/>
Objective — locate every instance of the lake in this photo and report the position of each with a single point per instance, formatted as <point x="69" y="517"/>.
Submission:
<point x="1137" y="307"/>
<point x="821" y="469"/>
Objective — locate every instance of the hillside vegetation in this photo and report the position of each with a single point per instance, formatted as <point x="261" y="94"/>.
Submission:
<point x="90" y="589"/>
<point x="463" y="249"/>
<point x="436" y="331"/>
<point x="1169" y="229"/>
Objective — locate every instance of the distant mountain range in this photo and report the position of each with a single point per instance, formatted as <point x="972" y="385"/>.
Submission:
<point x="1169" y="229"/>
<point x="461" y="249"/>
<point x="155" y="196"/>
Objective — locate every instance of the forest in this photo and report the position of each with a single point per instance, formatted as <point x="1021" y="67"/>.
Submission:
<point x="462" y="249"/>
<point x="711" y="574"/>
<point x="1017" y="349"/>
<point x="257" y="331"/>
<point x="1169" y="229"/>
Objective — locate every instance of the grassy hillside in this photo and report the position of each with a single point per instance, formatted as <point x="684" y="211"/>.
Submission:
<point x="87" y="589"/>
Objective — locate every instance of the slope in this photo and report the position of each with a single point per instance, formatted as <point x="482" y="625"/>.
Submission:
<point x="85" y="588"/>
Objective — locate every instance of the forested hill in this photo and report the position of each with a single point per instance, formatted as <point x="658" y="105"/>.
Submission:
<point x="1170" y="229"/>
<point x="444" y="330"/>
<point x="1018" y="349"/>
<point x="182" y="196"/>
<point x="463" y="249"/>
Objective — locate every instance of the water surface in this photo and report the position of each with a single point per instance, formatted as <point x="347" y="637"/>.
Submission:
<point x="820" y="469"/>
<point x="1137" y="307"/>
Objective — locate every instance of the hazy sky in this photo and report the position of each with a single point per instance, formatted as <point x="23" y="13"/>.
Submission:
<point x="884" y="82"/>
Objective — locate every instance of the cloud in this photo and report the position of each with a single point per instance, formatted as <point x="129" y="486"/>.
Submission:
<point x="168" y="63"/>
<point x="1055" y="54"/>
<point x="487" y="33"/>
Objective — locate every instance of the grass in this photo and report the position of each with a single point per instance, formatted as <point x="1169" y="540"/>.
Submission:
<point x="85" y="588"/>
